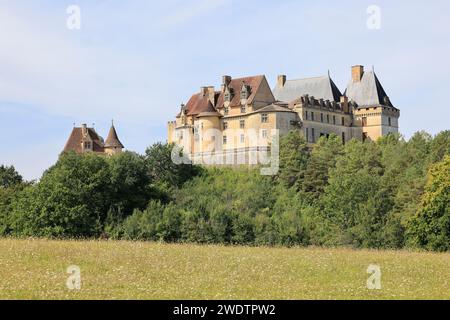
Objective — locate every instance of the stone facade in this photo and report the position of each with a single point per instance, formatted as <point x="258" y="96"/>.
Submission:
<point x="245" y="114"/>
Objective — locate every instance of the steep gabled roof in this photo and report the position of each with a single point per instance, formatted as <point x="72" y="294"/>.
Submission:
<point x="319" y="87"/>
<point x="199" y="103"/>
<point x="235" y="85"/>
<point x="76" y="137"/>
<point x="113" y="140"/>
<point x="368" y="91"/>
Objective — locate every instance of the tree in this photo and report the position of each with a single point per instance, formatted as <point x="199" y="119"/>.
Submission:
<point x="9" y="177"/>
<point x="430" y="228"/>
<point x="353" y="199"/>
<point x="161" y="168"/>
<point x="294" y="157"/>
<point x="323" y="158"/>
<point x="129" y="182"/>
<point x="71" y="200"/>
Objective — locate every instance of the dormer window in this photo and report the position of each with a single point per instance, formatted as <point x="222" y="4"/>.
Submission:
<point x="245" y="92"/>
<point x="226" y="110"/>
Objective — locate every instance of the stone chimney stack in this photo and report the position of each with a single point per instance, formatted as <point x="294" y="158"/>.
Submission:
<point x="84" y="129"/>
<point x="225" y="82"/>
<point x="211" y="94"/>
<point x="203" y="91"/>
<point x="344" y="104"/>
<point x="357" y="73"/>
<point x="281" y="80"/>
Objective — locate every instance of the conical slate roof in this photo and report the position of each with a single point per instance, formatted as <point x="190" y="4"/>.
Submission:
<point x="368" y="91"/>
<point x="112" y="140"/>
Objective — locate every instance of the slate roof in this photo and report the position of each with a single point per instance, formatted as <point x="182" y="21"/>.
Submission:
<point x="75" y="139"/>
<point x="319" y="87"/>
<point x="113" y="140"/>
<point x="368" y="91"/>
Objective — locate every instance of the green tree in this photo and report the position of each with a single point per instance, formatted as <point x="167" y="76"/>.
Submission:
<point x="129" y="182"/>
<point x="323" y="158"/>
<point x="71" y="200"/>
<point x="162" y="170"/>
<point x="9" y="177"/>
<point x="430" y="228"/>
<point x="353" y="199"/>
<point x="294" y="157"/>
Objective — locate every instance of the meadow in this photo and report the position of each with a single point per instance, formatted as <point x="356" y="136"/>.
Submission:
<point x="37" y="269"/>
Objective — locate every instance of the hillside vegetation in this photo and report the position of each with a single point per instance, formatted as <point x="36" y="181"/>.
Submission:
<point x="391" y="193"/>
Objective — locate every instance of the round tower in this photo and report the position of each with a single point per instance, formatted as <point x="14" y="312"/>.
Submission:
<point x="112" y="143"/>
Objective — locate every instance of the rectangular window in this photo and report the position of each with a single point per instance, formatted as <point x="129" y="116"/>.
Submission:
<point x="242" y="109"/>
<point x="242" y="124"/>
<point x="264" y="118"/>
<point x="343" y="121"/>
<point x="264" y="133"/>
<point x="196" y="137"/>
<point x="343" y="137"/>
<point x="224" y="139"/>
<point x="364" y="121"/>
<point x="389" y="121"/>
<point x="321" y="117"/>
<point x="334" y="119"/>
<point x="226" y="110"/>
<point x="312" y="116"/>
<point x="242" y="138"/>
<point x="225" y="125"/>
<point x="328" y="118"/>
<point x="313" y="138"/>
<point x="306" y="115"/>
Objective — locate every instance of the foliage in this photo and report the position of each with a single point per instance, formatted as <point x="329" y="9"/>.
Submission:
<point x="392" y="193"/>
<point x="430" y="227"/>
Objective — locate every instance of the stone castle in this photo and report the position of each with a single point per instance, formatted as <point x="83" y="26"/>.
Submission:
<point x="242" y="116"/>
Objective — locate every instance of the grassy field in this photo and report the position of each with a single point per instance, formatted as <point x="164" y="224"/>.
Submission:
<point x="36" y="269"/>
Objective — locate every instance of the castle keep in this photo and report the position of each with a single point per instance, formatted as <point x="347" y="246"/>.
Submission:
<point x="242" y="116"/>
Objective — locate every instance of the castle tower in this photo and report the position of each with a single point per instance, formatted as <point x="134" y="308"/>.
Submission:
<point x="112" y="143"/>
<point x="374" y="114"/>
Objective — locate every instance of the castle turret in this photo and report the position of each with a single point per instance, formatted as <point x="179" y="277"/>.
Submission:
<point x="112" y="143"/>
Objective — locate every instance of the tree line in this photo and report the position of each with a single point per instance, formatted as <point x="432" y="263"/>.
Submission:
<point x="392" y="193"/>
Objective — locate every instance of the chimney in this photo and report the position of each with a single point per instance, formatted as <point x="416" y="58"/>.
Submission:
<point x="211" y="94"/>
<point x="225" y="82"/>
<point x="281" y="80"/>
<point x="84" y="129"/>
<point x="357" y="73"/>
<point x="344" y="104"/>
<point x="203" y="91"/>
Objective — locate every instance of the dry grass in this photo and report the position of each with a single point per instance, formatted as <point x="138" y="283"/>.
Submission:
<point x="36" y="269"/>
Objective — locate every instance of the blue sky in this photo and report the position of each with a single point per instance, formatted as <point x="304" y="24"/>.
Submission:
<point x="136" y="61"/>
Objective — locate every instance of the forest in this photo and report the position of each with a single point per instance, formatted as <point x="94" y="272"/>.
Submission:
<point x="392" y="193"/>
